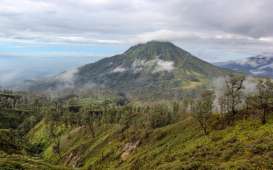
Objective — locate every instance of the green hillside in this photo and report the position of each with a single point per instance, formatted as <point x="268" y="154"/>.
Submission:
<point x="82" y="133"/>
<point x="245" y="145"/>
<point x="19" y="162"/>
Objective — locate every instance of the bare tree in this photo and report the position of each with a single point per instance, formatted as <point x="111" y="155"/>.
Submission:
<point x="202" y="110"/>
<point x="89" y="121"/>
<point x="264" y="98"/>
<point x="233" y="95"/>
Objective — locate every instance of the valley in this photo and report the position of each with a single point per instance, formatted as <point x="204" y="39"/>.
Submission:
<point x="153" y="107"/>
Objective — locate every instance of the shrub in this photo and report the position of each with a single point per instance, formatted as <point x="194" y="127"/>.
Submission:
<point x="259" y="148"/>
<point x="35" y="149"/>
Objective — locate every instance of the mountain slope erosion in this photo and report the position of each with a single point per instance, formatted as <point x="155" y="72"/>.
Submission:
<point x="152" y="67"/>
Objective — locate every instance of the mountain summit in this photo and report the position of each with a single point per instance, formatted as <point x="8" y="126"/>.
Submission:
<point x="153" y="67"/>
<point x="152" y="49"/>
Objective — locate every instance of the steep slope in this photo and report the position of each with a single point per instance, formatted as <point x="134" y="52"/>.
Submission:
<point x="145" y="68"/>
<point x="260" y="65"/>
<point x="19" y="162"/>
<point x="145" y="63"/>
<point x="246" y="145"/>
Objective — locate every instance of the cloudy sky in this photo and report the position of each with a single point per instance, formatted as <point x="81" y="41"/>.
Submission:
<point x="214" y="30"/>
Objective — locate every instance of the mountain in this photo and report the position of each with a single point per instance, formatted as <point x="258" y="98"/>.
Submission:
<point x="152" y="68"/>
<point x="260" y="65"/>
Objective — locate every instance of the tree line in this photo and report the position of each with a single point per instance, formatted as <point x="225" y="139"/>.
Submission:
<point x="234" y="103"/>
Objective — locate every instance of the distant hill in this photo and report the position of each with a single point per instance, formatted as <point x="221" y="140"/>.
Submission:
<point x="260" y="65"/>
<point x="157" y="68"/>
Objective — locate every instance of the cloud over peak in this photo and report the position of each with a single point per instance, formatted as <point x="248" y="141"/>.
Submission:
<point x="128" y="22"/>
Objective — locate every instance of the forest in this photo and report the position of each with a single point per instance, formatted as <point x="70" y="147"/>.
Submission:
<point x="110" y="132"/>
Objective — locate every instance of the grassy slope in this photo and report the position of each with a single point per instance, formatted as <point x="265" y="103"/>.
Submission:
<point x="246" y="145"/>
<point x="19" y="162"/>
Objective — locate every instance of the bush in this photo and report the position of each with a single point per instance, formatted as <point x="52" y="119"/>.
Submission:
<point x="35" y="149"/>
<point x="197" y="165"/>
<point x="259" y="148"/>
<point x="160" y="119"/>
<point x="14" y="166"/>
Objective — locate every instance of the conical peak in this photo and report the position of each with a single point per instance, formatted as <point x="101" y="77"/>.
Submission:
<point x="152" y="49"/>
<point x="152" y="45"/>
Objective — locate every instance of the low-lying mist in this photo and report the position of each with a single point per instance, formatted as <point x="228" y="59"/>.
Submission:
<point x="14" y="70"/>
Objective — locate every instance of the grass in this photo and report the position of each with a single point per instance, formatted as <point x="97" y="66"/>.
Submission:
<point x="246" y="145"/>
<point x="18" y="162"/>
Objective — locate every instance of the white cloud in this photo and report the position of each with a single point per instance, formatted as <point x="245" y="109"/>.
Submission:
<point x="8" y="77"/>
<point x="119" y="69"/>
<point x="225" y="24"/>
<point x="154" y="66"/>
<point x="266" y="39"/>
<point x="67" y="76"/>
<point x="167" y="35"/>
<point x="164" y="66"/>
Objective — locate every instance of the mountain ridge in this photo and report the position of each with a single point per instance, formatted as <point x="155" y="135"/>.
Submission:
<point x="259" y="65"/>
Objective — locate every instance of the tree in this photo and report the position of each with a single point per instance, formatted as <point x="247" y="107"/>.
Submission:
<point x="202" y="110"/>
<point x="233" y="95"/>
<point x="122" y="99"/>
<point x="89" y="121"/>
<point x="264" y="98"/>
<point x="56" y="136"/>
<point x="53" y="118"/>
